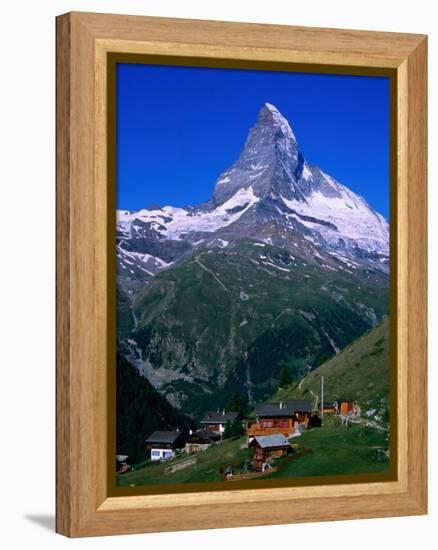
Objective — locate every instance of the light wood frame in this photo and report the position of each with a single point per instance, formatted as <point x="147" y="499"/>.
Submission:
<point x="83" y="505"/>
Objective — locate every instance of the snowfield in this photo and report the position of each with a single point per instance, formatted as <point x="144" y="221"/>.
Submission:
<point x="351" y="215"/>
<point x="175" y="223"/>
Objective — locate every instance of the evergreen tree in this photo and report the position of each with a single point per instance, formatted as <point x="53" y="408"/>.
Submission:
<point x="140" y="410"/>
<point x="233" y="429"/>
<point x="237" y="404"/>
<point x="285" y="377"/>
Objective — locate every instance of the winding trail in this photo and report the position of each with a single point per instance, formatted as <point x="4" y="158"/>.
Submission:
<point x="358" y="420"/>
<point x="134" y="318"/>
<point x="249" y="385"/>
<point x="331" y="341"/>
<point x="316" y="398"/>
<point x="284" y="312"/>
<point x="216" y="278"/>
<point x="369" y="424"/>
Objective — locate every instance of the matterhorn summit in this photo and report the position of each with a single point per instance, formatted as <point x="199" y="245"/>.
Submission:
<point x="270" y="194"/>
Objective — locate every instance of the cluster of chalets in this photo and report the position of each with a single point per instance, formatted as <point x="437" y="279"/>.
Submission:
<point x="270" y="431"/>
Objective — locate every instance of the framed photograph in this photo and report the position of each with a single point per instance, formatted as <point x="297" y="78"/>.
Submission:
<point x="241" y="274"/>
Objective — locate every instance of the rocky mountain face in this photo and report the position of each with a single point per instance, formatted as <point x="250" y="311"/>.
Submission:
<point x="282" y="266"/>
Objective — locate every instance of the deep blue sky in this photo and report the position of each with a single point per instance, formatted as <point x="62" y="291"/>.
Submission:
<point x="178" y="128"/>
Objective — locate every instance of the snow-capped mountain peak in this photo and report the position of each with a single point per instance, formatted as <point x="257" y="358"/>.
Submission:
<point x="270" y="114"/>
<point x="269" y="160"/>
<point x="270" y="186"/>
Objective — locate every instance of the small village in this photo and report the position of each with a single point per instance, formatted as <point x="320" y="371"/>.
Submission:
<point x="268" y="438"/>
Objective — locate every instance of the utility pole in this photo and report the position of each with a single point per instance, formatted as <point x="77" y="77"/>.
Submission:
<point x="322" y="398"/>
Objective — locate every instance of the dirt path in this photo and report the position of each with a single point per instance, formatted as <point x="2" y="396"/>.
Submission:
<point x="369" y="423"/>
<point x="216" y="278"/>
<point x="316" y="398"/>
<point x="331" y="341"/>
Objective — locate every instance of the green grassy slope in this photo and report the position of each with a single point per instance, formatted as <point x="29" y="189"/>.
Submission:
<point x="337" y="450"/>
<point x="226" y="453"/>
<point x="360" y="372"/>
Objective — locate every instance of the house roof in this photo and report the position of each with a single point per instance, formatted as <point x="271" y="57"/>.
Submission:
<point x="287" y="408"/>
<point x="300" y="405"/>
<point x="207" y="437"/>
<point x="270" y="441"/>
<point x="220" y="417"/>
<point x="273" y="409"/>
<point x="164" y="436"/>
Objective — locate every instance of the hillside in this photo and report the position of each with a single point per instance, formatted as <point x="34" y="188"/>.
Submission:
<point x="230" y="320"/>
<point x="140" y="411"/>
<point x="209" y="462"/>
<point x="339" y="451"/>
<point x="359" y="372"/>
<point x="334" y="451"/>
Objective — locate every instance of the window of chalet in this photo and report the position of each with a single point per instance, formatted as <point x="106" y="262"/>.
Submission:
<point x="267" y="423"/>
<point x="283" y="423"/>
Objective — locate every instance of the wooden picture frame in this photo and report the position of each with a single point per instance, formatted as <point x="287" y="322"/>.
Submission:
<point x="85" y="506"/>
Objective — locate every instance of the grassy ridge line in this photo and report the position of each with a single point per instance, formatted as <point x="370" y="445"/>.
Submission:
<point x="360" y="372"/>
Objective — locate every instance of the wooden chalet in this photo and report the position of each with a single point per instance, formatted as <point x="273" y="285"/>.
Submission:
<point x="200" y="441"/>
<point x="162" y="445"/>
<point x="216" y="421"/>
<point x="328" y="407"/>
<point x="343" y="406"/>
<point x="279" y="418"/>
<point x="267" y="447"/>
